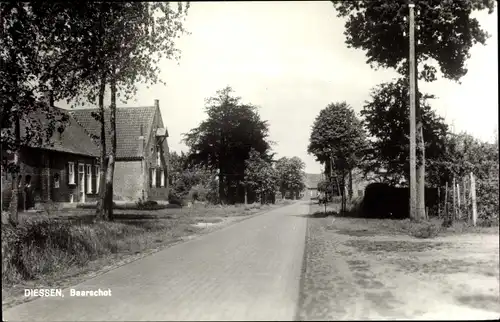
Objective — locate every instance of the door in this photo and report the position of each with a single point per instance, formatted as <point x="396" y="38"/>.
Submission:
<point x="81" y="181"/>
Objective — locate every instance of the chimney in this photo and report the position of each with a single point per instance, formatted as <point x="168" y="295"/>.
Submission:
<point x="157" y="103"/>
<point x="141" y="142"/>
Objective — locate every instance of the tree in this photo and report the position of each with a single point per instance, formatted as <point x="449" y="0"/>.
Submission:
<point x="386" y="118"/>
<point x="446" y="32"/>
<point x="337" y="139"/>
<point x="291" y="175"/>
<point x="223" y="141"/>
<point x="127" y="42"/>
<point x="261" y="176"/>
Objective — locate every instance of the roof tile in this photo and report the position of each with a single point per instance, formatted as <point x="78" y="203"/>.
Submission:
<point x="128" y="127"/>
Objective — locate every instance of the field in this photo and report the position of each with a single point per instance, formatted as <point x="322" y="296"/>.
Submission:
<point x="359" y="269"/>
<point x="63" y="247"/>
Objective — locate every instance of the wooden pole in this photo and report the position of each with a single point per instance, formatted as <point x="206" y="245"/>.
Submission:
<point x="473" y="195"/>
<point x="458" y="201"/>
<point x="446" y="200"/>
<point x="454" y="199"/>
<point x="439" y="202"/>
<point x="413" y="145"/>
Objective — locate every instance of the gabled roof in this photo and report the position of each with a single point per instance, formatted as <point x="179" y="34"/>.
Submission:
<point x="128" y="127"/>
<point x="312" y="180"/>
<point x="74" y="139"/>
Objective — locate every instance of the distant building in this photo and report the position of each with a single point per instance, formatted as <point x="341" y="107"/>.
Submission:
<point x="311" y="185"/>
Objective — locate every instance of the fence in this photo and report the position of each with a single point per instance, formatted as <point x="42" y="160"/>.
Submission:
<point x="460" y="199"/>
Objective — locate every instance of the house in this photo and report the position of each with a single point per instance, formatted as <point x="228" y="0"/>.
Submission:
<point x="66" y="168"/>
<point x="61" y="169"/>
<point x="141" y="150"/>
<point x="311" y="183"/>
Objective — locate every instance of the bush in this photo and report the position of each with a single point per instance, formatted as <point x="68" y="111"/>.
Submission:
<point x="174" y="199"/>
<point x="147" y="204"/>
<point x="198" y="193"/>
<point x="424" y="229"/>
<point x="41" y="247"/>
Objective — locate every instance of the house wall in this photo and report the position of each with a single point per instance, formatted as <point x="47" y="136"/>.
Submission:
<point x="312" y="192"/>
<point x="128" y="180"/>
<point x="42" y="166"/>
<point x="150" y="161"/>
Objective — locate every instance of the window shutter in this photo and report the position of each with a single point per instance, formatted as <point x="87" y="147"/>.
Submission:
<point x="158" y="173"/>
<point x="150" y="178"/>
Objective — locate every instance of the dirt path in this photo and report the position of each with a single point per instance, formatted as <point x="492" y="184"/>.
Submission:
<point x="353" y="273"/>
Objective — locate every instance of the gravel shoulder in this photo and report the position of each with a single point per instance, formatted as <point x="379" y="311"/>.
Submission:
<point x="353" y="272"/>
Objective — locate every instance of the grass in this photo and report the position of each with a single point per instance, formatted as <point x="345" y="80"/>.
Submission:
<point x="358" y="268"/>
<point x="49" y="246"/>
<point x="422" y="229"/>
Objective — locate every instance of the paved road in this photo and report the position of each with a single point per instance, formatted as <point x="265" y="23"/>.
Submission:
<point x="248" y="271"/>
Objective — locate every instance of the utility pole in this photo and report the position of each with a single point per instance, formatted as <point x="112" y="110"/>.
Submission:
<point x="413" y="153"/>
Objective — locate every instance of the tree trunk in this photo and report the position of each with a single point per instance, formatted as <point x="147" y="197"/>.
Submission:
<point x="246" y="196"/>
<point x="221" y="187"/>
<point x="102" y="160"/>
<point x="342" y="191"/>
<point x="350" y="184"/>
<point x="16" y="175"/>
<point x="108" y="200"/>
<point x="420" y="172"/>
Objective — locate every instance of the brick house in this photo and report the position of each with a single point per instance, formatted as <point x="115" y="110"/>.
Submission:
<point x="63" y="169"/>
<point x="141" y="150"/>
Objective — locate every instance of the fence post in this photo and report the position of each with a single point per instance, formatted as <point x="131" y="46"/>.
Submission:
<point x="446" y="201"/>
<point x="439" y="203"/>
<point x="473" y="195"/>
<point x="454" y="199"/>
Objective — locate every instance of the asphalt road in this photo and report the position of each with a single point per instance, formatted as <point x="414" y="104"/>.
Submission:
<point x="247" y="271"/>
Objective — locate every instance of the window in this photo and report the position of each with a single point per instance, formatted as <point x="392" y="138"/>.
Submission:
<point x="158" y="160"/>
<point x="89" y="178"/>
<point x="162" y="178"/>
<point x="97" y="178"/>
<point x="71" y="172"/>
<point x="56" y="180"/>
<point x="153" y="178"/>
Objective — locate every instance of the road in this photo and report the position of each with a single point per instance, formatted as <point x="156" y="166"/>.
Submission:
<point x="247" y="271"/>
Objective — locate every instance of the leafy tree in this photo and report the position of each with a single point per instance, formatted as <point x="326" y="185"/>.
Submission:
<point x="128" y="41"/>
<point x="291" y="175"/>
<point x="386" y="118"/>
<point x="177" y="164"/>
<point x="223" y="141"/>
<point x="261" y="176"/>
<point x="338" y="139"/>
<point x="446" y="32"/>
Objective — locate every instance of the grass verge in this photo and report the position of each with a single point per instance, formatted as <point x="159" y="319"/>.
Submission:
<point x="365" y="269"/>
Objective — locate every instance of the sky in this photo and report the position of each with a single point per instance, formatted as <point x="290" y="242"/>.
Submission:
<point x="290" y="59"/>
